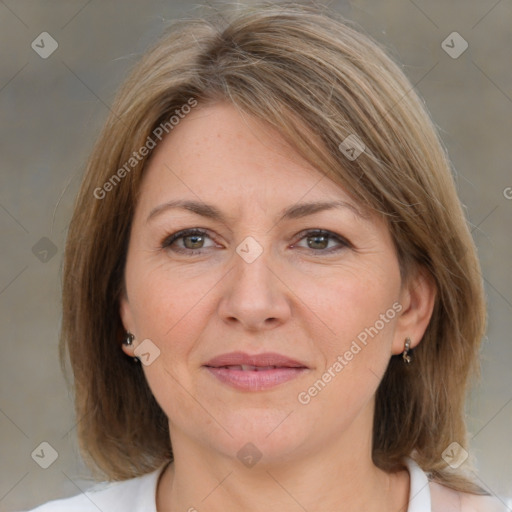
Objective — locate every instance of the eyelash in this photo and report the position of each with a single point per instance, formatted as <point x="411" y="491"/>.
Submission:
<point x="169" y="240"/>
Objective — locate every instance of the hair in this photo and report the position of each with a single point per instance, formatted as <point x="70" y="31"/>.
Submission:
<point x="316" y="78"/>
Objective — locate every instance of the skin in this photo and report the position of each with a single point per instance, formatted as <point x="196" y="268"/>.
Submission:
<point x="299" y="298"/>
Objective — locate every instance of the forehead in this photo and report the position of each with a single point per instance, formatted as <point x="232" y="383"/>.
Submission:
<point x="219" y="138"/>
<point x="217" y="152"/>
<point x="225" y="165"/>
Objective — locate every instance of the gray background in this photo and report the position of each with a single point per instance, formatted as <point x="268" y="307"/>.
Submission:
<point x="51" y="110"/>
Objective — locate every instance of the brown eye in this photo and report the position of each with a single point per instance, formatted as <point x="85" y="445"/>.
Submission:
<point x="195" y="241"/>
<point x="192" y="241"/>
<point x="318" y="240"/>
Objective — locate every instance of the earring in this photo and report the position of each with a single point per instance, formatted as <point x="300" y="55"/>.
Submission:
<point x="129" y="338"/>
<point x="129" y="341"/>
<point x="405" y="355"/>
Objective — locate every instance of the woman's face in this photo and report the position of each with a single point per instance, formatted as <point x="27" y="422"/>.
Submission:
<point x="316" y="289"/>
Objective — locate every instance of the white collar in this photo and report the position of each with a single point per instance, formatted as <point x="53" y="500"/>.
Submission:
<point x="419" y="491"/>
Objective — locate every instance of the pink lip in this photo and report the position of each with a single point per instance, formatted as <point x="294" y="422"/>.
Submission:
<point x="265" y="359"/>
<point x="228" y="369"/>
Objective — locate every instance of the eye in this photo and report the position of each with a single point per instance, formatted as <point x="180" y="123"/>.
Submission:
<point x="192" y="239"/>
<point x="318" y="240"/>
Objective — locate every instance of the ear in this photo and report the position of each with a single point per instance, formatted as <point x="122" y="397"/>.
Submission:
<point x="127" y="320"/>
<point x="417" y="298"/>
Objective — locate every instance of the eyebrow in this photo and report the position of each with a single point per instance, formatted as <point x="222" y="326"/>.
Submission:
<point x="296" y="211"/>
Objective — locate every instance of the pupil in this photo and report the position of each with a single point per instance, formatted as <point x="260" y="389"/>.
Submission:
<point x="196" y="237"/>
<point x="323" y="239"/>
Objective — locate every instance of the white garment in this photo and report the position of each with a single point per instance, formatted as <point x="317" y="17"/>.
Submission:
<point x="139" y="495"/>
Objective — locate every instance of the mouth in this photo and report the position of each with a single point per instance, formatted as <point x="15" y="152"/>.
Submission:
<point x="254" y="373"/>
<point x="248" y="367"/>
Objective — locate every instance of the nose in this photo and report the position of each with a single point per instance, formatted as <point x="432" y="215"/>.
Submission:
<point x="254" y="295"/>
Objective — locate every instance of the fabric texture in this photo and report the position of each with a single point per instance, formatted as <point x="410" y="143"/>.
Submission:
<point x="139" y="495"/>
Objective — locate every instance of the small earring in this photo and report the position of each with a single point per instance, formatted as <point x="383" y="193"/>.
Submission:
<point x="405" y="355"/>
<point x="129" y="341"/>
<point x="129" y="338"/>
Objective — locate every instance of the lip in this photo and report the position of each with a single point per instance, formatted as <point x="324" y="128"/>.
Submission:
<point x="264" y="359"/>
<point x="265" y="371"/>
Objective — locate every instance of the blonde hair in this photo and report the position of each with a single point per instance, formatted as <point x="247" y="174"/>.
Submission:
<point x="317" y="79"/>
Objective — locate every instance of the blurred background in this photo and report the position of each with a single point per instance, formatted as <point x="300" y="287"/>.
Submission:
<point x="61" y="63"/>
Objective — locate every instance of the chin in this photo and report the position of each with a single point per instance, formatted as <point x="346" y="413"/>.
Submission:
<point x="269" y="435"/>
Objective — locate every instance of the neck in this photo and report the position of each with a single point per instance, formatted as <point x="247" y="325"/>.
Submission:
<point x="332" y="477"/>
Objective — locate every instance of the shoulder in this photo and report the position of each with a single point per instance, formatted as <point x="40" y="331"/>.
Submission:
<point x="445" y="499"/>
<point x="136" y="494"/>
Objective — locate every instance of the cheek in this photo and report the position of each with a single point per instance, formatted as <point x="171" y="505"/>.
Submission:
<point x="166" y="303"/>
<point x="361" y="311"/>
<point x="171" y="314"/>
<point x="350" y="302"/>
<point x="355" y="359"/>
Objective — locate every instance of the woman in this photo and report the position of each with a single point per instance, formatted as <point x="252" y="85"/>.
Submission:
<point x="266" y="231"/>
